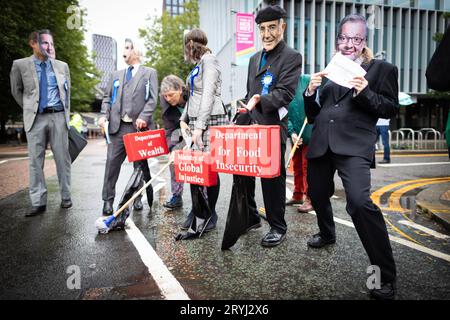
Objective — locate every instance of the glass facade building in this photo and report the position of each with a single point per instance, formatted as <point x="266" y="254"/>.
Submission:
<point x="174" y="7"/>
<point x="105" y="58"/>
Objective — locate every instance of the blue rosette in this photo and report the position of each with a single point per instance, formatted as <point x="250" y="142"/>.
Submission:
<point x="192" y="76"/>
<point x="116" y="85"/>
<point x="267" y="80"/>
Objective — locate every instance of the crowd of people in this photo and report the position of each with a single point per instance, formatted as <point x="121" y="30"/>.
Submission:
<point x="339" y="136"/>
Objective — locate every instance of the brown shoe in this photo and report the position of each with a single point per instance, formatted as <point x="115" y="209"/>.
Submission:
<point x="293" y="201"/>
<point x="305" y="207"/>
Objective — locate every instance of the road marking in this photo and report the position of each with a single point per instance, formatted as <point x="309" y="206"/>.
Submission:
<point x="289" y="194"/>
<point x="421" y="248"/>
<point x="416" y="155"/>
<point x="153" y="162"/>
<point x="424" y="229"/>
<point x="169" y="286"/>
<point x="404" y="242"/>
<point x="392" y="165"/>
<point x="376" y="195"/>
<point x="159" y="186"/>
<point x="400" y="232"/>
<point x="394" y="199"/>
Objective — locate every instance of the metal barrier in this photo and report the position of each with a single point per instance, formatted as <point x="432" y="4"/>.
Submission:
<point x="436" y="135"/>
<point x="410" y="132"/>
<point x="419" y="139"/>
<point x="398" y="134"/>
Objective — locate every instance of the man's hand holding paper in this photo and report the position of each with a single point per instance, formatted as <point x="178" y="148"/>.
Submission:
<point x="345" y="72"/>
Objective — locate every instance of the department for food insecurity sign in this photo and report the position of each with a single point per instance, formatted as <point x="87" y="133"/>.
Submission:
<point x="245" y="38"/>
<point x="246" y="150"/>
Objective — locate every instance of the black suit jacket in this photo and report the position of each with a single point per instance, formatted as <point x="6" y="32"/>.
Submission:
<point x="347" y="124"/>
<point x="285" y="64"/>
<point x="438" y="70"/>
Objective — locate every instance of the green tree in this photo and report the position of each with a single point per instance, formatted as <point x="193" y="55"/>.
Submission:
<point x="17" y="20"/>
<point x="164" y="42"/>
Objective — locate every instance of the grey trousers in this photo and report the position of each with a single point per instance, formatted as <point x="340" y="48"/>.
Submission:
<point x="116" y="155"/>
<point x="48" y="128"/>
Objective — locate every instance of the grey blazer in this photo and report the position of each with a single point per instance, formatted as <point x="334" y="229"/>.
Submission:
<point x="143" y="100"/>
<point x="25" y="87"/>
<point x="204" y="97"/>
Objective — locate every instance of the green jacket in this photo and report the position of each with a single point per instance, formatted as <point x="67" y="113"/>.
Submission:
<point x="297" y="113"/>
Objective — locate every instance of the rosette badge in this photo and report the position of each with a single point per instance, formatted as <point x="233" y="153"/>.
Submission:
<point x="194" y="73"/>
<point x="116" y="85"/>
<point x="267" y="81"/>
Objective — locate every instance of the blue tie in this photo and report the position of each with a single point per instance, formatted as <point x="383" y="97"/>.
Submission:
<point x="129" y="74"/>
<point x="43" y="88"/>
<point x="263" y="60"/>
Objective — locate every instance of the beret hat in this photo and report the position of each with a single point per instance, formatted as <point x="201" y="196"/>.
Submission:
<point x="270" y="13"/>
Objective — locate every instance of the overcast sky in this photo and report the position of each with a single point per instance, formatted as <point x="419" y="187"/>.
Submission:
<point x="118" y="19"/>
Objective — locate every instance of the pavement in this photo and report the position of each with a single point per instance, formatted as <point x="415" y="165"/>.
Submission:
<point x="39" y="253"/>
<point x="433" y="202"/>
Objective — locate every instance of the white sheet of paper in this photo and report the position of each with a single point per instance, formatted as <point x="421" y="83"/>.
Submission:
<point x="282" y="112"/>
<point x="106" y="127"/>
<point x="341" y="70"/>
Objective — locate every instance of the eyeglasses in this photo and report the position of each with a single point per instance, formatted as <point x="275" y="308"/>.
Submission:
<point x="272" y="28"/>
<point x="342" y="38"/>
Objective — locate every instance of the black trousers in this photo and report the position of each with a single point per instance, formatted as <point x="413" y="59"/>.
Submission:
<point x="212" y="193"/>
<point x="274" y="194"/>
<point x="116" y="154"/>
<point x="366" y="216"/>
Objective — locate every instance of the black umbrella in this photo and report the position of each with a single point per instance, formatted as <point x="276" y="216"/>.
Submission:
<point x="202" y="213"/>
<point x="133" y="185"/>
<point x="238" y="213"/>
<point x="76" y="143"/>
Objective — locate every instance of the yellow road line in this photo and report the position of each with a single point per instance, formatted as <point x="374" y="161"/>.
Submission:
<point x="400" y="232"/>
<point x="394" y="199"/>
<point x="376" y="195"/>
<point x="417" y="155"/>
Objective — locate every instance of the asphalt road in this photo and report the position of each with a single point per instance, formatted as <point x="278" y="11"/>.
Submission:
<point x="40" y="254"/>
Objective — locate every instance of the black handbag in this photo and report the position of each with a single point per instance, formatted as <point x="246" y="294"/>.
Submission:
<point x="76" y="143"/>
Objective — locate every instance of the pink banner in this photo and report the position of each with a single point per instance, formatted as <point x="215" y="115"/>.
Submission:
<point x="245" y="41"/>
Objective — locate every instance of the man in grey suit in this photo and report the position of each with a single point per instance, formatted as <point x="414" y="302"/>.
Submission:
<point x="41" y="86"/>
<point x="127" y="105"/>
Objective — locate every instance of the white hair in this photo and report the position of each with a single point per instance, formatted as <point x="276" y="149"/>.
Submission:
<point x="137" y="48"/>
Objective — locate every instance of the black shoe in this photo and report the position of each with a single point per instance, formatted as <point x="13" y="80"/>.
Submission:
<point x="174" y="203"/>
<point x="137" y="205"/>
<point x="36" y="211"/>
<point x="66" y="204"/>
<point x="316" y="241"/>
<point x="108" y="208"/>
<point x="387" y="291"/>
<point x="273" y="238"/>
<point x="384" y="161"/>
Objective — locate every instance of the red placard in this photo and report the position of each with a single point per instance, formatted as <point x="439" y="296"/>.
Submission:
<point x="194" y="167"/>
<point x="145" y="144"/>
<point x="246" y="150"/>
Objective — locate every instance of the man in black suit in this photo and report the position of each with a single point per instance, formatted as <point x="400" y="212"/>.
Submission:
<point x="343" y="139"/>
<point x="272" y="79"/>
